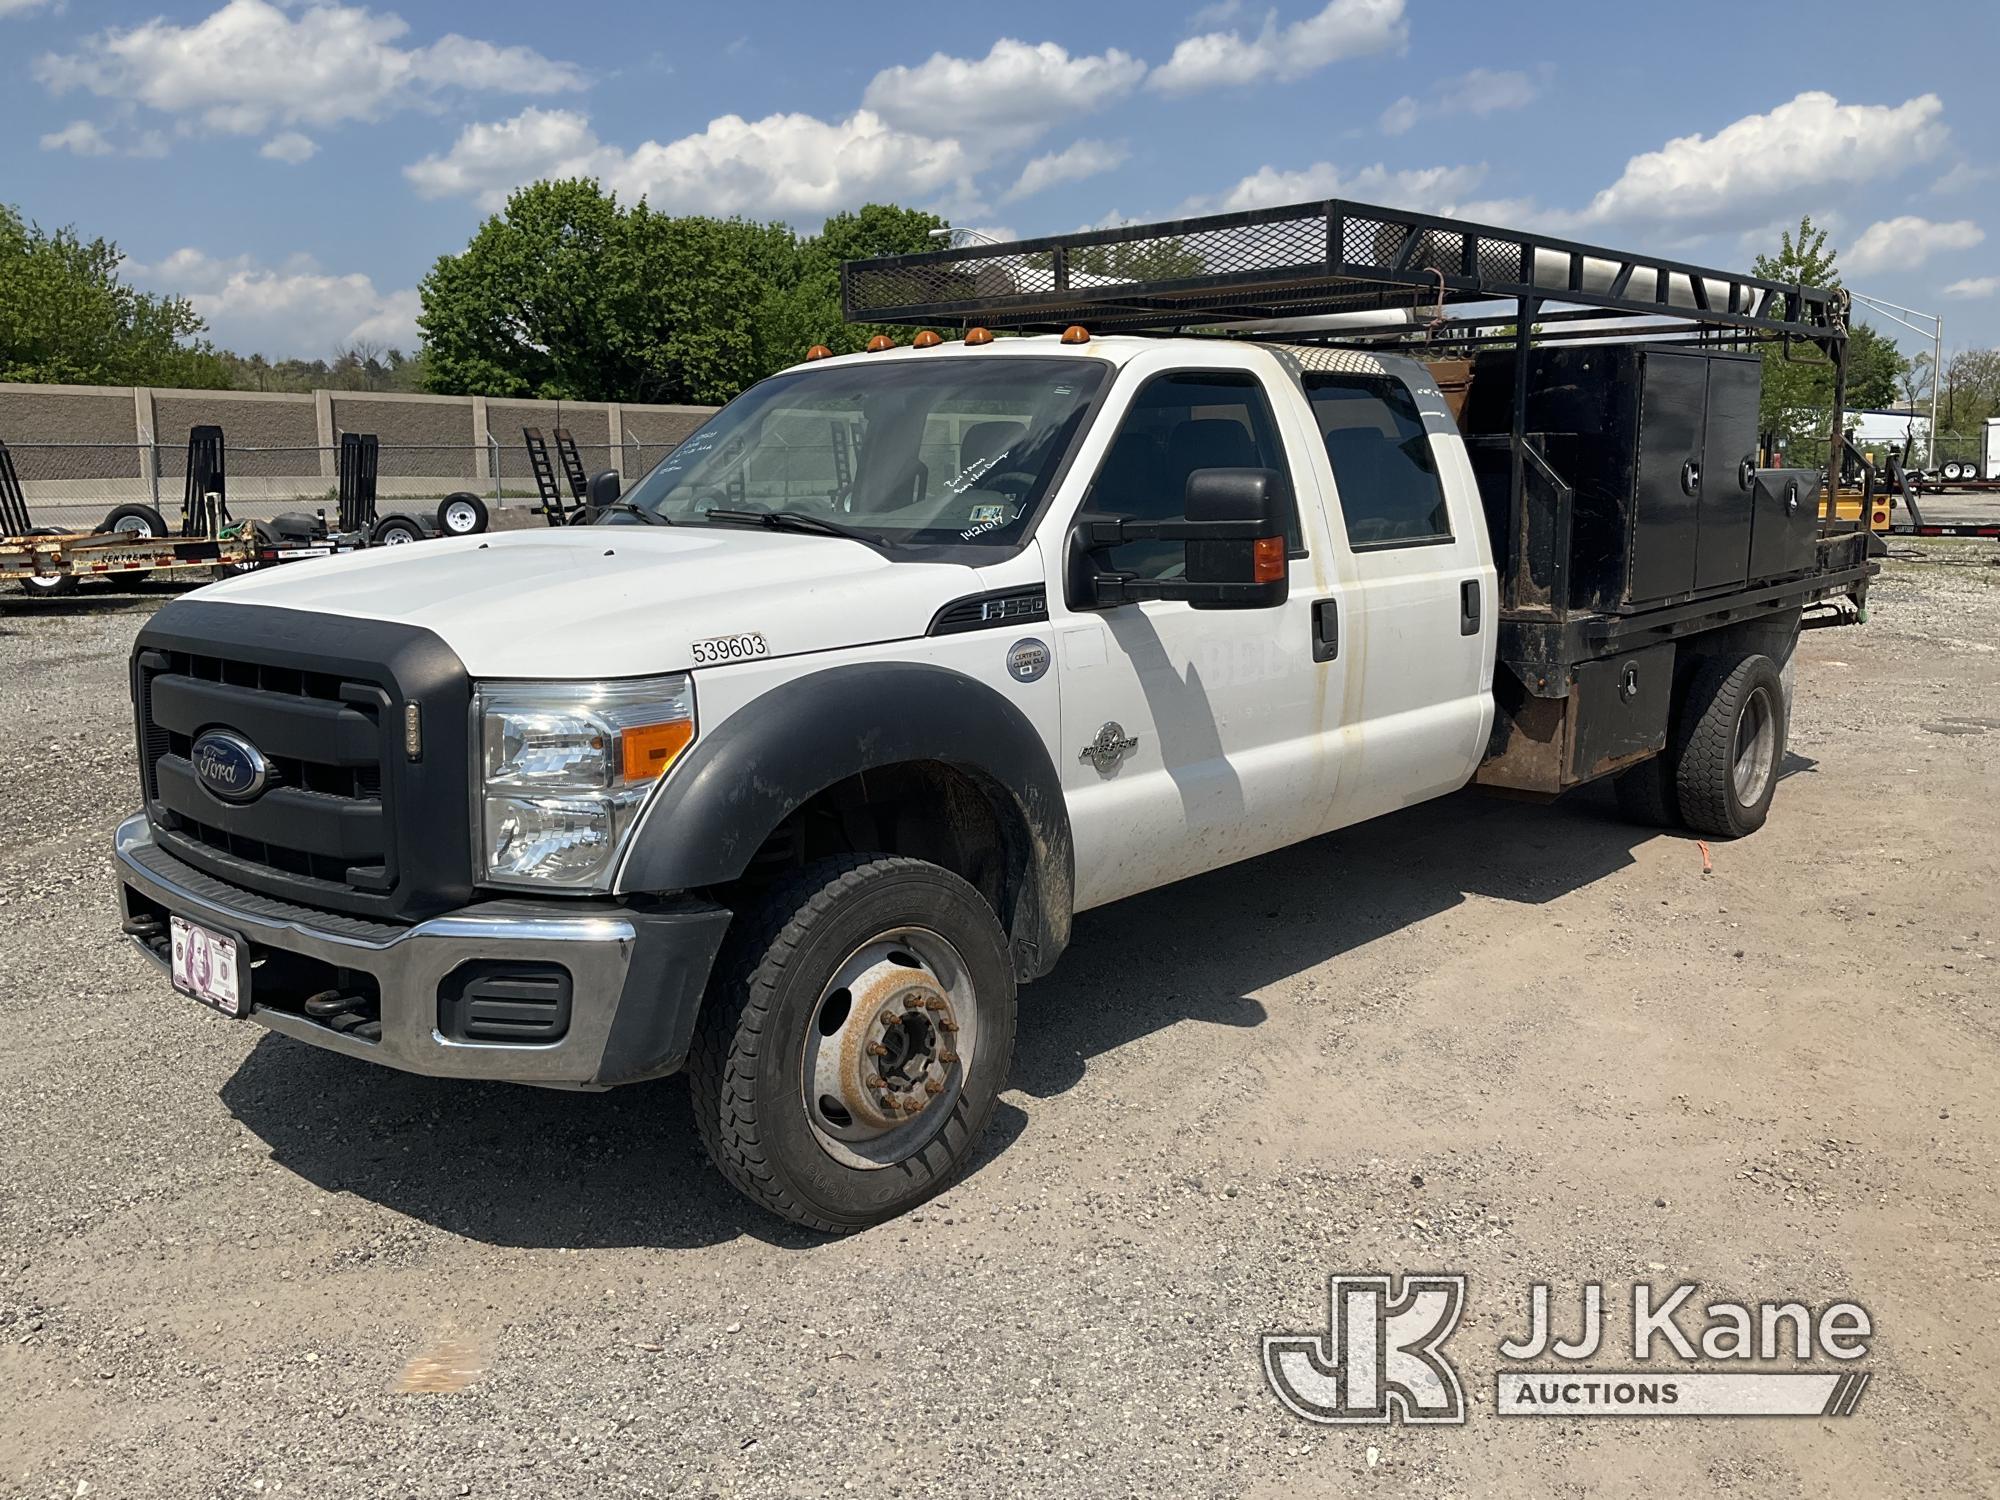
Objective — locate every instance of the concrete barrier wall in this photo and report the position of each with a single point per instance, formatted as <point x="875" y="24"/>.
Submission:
<point x="81" y="450"/>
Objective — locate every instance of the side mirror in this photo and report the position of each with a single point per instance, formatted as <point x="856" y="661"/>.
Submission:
<point x="1234" y="531"/>
<point x="602" y="489"/>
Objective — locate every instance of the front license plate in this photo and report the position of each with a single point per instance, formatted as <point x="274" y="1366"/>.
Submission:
<point x="205" y="966"/>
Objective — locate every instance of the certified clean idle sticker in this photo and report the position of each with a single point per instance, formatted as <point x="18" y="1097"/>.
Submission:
<point x="728" y="648"/>
<point x="1027" y="659"/>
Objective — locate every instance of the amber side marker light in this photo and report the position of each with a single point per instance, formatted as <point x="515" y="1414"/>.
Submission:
<point x="977" y="336"/>
<point x="1267" y="559"/>
<point x="1075" y="335"/>
<point x="880" y="342"/>
<point x="646" y="750"/>
<point x="819" y="351"/>
<point x="926" y="340"/>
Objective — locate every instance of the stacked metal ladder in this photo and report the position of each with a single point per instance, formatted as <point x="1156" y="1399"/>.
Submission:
<point x="545" y="477"/>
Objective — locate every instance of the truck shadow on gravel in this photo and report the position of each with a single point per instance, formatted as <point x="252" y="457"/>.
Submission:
<point x="535" y="1168"/>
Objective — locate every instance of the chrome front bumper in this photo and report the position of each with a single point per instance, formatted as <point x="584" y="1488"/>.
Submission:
<point x="636" y="977"/>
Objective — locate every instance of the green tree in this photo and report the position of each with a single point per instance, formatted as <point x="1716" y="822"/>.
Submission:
<point x="566" y="295"/>
<point x="804" y="309"/>
<point x="1798" y="380"/>
<point x="68" y="318"/>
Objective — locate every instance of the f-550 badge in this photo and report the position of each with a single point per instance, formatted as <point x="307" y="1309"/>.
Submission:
<point x="1109" y="748"/>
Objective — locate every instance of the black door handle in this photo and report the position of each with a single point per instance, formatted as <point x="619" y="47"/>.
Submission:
<point x="1690" y="477"/>
<point x="1468" y="607"/>
<point x="1326" y="629"/>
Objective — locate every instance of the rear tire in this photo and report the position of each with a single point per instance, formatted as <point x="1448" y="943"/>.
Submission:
<point x="395" y="531"/>
<point x="1646" y="793"/>
<point x="798" y="1101"/>
<point x="462" y="514"/>
<point x="135" y="520"/>
<point x="1731" y="744"/>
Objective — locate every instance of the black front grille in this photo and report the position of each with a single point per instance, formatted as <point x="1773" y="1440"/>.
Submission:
<point x="321" y="819"/>
<point x="349" y="819"/>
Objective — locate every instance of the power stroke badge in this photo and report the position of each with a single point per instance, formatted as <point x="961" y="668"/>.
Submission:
<point x="1381" y="1358"/>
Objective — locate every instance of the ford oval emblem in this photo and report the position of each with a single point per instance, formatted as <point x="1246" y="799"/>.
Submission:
<point x="229" y="766"/>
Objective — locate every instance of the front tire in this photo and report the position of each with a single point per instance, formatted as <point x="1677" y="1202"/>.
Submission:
<point x="1732" y="741"/>
<point x="854" y="1041"/>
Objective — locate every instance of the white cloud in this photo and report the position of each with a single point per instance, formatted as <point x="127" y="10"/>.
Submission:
<point x="252" y="62"/>
<point x="289" y="146"/>
<point x="1907" y="241"/>
<point x="782" y="164"/>
<point x="1071" y="164"/>
<point x="1343" y="29"/>
<point x="1812" y="142"/>
<point x="1963" y="177"/>
<point x="292" y="310"/>
<point x="79" y="136"/>
<point x="1440" y="190"/>
<point x="487" y="162"/>
<point x="20" y="7"/>
<point x="1014" y="93"/>
<point x="1400" y="116"/>
<point x="1974" y="286"/>
<point x="1480" y="92"/>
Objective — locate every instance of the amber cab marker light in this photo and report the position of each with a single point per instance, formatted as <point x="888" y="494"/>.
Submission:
<point x="819" y="351"/>
<point x="926" y="340"/>
<point x="1267" y="559"/>
<point x="880" y="342"/>
<point x="977" y="336"/>
<point x="1075" y="335"/>
<point x="646" y="750"/>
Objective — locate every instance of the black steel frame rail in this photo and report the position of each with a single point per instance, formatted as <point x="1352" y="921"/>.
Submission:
<point x="1408" y="256"/>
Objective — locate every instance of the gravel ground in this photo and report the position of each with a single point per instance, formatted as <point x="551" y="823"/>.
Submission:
<point x="1523" y="1043"/>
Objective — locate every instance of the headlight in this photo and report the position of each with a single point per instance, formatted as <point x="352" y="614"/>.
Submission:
<point x="566" y="767"/>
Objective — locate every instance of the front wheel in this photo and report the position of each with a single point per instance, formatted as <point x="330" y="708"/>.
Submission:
<point x="854" y="1041"/>
<point x="1731" y="743"/>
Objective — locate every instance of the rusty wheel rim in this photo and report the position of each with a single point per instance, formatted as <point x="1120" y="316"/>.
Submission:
<point x="887" y="1047"/>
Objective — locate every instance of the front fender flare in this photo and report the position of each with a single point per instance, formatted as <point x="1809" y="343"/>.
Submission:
<point x="776" y="753"/>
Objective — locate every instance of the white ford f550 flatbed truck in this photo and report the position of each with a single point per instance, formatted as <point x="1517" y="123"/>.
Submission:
<point x="790" y="767"/>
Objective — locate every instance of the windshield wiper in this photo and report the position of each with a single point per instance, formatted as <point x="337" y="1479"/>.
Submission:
<point x="627" y="507"/>
<point x="795" y="520"/>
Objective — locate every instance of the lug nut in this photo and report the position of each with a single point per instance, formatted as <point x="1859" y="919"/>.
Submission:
<point x="933" y="1088"/>
<point x="947" y="1057"/>
<point x="947" y="1024"/>
<point x="874" y="1081"/>
<point x="934" y="1003"/>
<point x="876" y="1049"/>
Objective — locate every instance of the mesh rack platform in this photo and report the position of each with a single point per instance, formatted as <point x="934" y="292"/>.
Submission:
<point x="1330" y="257"/>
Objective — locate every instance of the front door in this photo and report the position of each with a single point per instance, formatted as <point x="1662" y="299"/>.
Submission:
<point x="1193" y="737"/>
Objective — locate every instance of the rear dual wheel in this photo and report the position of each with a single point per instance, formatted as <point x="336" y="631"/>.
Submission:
<point x="1719" y="771"/>
<point x="854" y="1041"/>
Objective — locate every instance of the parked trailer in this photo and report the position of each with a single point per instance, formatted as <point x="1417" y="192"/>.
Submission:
<point x="49" y="561"/>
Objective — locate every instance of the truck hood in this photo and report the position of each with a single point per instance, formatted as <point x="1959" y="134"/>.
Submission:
<point x="618" y="601"/>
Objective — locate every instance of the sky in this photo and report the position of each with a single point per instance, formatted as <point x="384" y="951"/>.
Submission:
<point x="296" y="167"/>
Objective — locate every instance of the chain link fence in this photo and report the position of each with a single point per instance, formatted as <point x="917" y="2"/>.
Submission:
<point x="75" y="486"/>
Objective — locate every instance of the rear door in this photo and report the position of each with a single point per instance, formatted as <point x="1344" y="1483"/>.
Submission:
<point x="1411" y="546"/>
<point x="1192" y="738"/>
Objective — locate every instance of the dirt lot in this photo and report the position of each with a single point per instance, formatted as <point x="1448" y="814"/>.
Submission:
<point x="1521" y="1043"/>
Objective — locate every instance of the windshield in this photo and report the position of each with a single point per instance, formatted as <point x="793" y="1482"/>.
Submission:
<point x="945" y="452"/>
